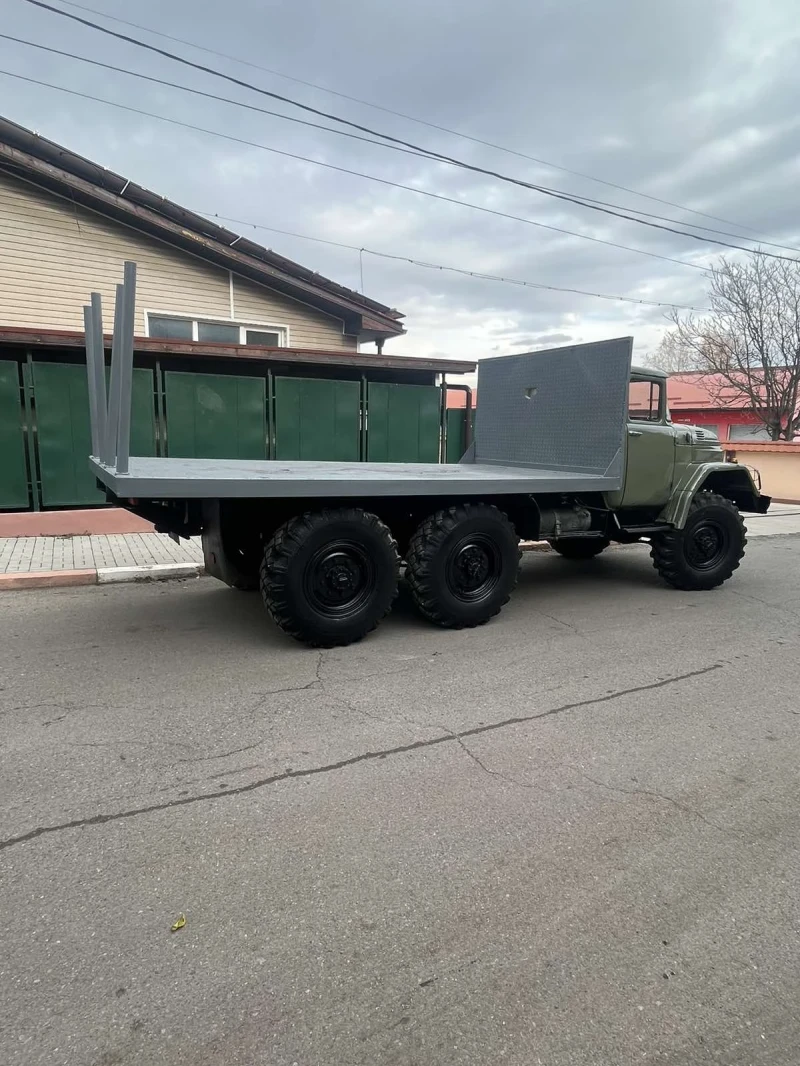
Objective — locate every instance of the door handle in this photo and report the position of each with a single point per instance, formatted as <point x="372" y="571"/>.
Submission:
<point x="634" y="433"/>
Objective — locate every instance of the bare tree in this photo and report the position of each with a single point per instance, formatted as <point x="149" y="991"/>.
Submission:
<point x="748" y="345"/>
<point x="672" y="355"/>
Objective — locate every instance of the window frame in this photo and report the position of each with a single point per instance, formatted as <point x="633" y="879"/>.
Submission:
<point x="243" y="325"/>
<point x="657" y="418"/>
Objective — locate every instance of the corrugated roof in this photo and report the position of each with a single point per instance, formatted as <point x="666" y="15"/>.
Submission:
<point x="52" y="166"/>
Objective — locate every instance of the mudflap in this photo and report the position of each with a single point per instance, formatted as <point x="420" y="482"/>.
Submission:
<point x="217" y="560"/>
<point x="213" y="550"/>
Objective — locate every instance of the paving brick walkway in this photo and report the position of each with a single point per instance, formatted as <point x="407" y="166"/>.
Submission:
<point x="20" y="555"/>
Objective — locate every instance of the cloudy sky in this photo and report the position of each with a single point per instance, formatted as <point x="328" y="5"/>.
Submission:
<point x="691" y="101"/>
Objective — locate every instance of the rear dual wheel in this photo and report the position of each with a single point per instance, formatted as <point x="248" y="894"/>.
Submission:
<point x="462" y="564"/>
<point x="329" y="577"/>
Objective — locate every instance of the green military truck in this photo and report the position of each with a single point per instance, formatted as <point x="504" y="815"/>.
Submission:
<point x="570" y="446"/>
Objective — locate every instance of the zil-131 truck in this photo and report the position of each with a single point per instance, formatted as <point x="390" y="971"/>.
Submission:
<point x="572" y="446"/>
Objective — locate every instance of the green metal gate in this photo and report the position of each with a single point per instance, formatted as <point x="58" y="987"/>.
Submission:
<point x="317" y="419"/>
<point x="45" y="434"/>
<point x="63" y="435"/>
<point x="13" y="475"/>
<point x="456" y="433"/>
<point x="215" y="416"/>
<point x="403" y="423"/>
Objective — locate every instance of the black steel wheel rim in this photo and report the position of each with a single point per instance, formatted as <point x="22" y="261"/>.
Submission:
<point x="340" y="578"/>
<point x="707" y="544"/>
<point x="473" y="568"/>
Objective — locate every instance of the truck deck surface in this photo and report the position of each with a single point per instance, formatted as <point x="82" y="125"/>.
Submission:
<point x="242" y="478"/>
<point x="550" y="421"/>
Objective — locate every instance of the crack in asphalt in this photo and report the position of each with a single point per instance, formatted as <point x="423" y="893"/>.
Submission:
<point x="222" y="754"/>
<point x="494" y="773"/>
<point x="652" y="794"/>
<point x="353" y="760"/>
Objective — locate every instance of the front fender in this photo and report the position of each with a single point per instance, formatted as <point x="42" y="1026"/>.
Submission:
<point x="728" y="479"/>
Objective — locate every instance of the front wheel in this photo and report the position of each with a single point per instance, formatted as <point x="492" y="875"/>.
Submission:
<point x="329" y="577"/>
<point x="462" y="564"/>
<point x="707" y="550"/>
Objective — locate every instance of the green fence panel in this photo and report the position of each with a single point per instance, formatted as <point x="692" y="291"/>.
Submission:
<point x="403" y="423"/>
<point x="63" y="432"/>
<point x="13" y="474"/>
<point x="456" y="436"/>
<point x="317" y="419"/>
<point x="215" y="416"/>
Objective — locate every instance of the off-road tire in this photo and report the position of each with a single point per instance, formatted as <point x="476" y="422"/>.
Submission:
<point x="579" y="548"/>
<point x="309" y="554"/>
<point x="712" y="518"/>
<point x="447" y="553"/>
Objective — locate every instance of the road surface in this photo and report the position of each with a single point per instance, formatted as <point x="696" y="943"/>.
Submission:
<point x="569" y="837"/>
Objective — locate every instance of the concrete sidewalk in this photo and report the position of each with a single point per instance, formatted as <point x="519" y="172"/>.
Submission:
<point x="36" y="562"/>
<point x="781" y="518"/>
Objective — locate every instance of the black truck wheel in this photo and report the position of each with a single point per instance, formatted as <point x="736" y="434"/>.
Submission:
<point x="329" y="577"/>
<point x="579" y="547"/>
<point x="707" y="550"/>
<point x="462" y="564"/>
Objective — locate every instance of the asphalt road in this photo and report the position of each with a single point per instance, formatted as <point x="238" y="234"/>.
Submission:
<point x="569" y="837"/>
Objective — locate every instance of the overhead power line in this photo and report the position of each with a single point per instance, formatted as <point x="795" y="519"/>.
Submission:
<point x="606" y="210"/>
<point x="412" y="118"/>
<point x="477" y="274"/>
<point x="419" y="154"/>
<point x="358" y="174"/>
<point x="213" y="96"/>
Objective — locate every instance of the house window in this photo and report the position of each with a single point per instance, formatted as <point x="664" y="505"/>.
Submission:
<point x="170" y="329"/>
<point x="209" y="331"/>
<point x="753" y="431"/>
<point x="644" y="401"/>
<point x="262" y="338"/>
<point x="217" y="333"/>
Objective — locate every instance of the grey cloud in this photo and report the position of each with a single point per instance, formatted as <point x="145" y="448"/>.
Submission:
<point x="692" y="102"/>
<point x="548" y="338"/>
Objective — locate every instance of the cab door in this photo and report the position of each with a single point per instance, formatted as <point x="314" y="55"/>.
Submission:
<point x="650" y="445"/>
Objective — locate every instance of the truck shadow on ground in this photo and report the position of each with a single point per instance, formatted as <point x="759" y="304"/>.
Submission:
<point x="620" y="567"/>
<point x="202" y="609"/>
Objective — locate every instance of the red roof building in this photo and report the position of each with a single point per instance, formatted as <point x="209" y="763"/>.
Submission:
<point x="701" y="399"/>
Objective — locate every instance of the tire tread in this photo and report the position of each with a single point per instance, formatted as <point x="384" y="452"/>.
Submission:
<point x="279" y="552"/>
<point x="422" y="550"/>
<point x="666" y="549"/>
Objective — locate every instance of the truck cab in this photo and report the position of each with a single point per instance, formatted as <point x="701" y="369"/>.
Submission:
<point x="665" y="463"/>
<point x="650" y="441"/>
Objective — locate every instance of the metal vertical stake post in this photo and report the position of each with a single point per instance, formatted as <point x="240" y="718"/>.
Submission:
<point x="99" y="367"/>
<point x="126" y="367"/>
<point x="112" y="419"/>
<point x="91" y="359"/>
<point x="95" y="372"/>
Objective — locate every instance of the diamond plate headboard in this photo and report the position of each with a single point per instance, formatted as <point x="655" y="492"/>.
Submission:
<point x="561" y="409"/>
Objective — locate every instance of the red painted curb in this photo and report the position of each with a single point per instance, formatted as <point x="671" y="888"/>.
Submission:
<point x="45" y="579"/>
<point x="85" y="522"/>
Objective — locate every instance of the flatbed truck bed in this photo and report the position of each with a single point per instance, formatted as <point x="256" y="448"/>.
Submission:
<point x="273" y="479"/>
